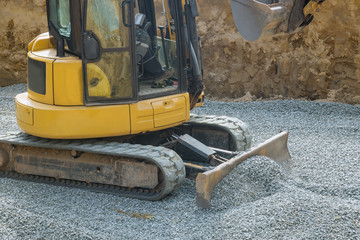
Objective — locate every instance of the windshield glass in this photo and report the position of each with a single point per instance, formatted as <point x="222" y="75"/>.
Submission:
<point x="60" y="16"/>
<point x="64" y="18"/>
<point x="103" y="18"/>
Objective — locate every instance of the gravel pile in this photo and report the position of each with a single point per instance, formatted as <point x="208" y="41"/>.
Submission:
<point x="319" y="198"/>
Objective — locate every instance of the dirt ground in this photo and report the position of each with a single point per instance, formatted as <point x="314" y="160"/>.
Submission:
<point x="20" y="22"/>
<point x="320" y="63"/>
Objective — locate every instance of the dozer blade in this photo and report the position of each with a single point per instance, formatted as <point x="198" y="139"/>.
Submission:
<point x="274" y="148"/>
<point x="255" y="18"/>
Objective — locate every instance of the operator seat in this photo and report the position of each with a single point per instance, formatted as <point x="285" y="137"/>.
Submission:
<point x="152" y="67"/>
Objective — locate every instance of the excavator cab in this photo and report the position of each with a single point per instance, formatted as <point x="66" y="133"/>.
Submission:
<point x="125" y="57"/>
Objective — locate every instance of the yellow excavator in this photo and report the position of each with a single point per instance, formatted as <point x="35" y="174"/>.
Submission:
<point x="110" y="89"/>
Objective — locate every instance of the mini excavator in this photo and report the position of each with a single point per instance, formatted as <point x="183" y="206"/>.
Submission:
<point x="110" y="89"/>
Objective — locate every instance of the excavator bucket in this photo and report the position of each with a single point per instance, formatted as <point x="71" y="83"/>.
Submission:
<point x="255" y="18"/>
<point x="274" y="148"/>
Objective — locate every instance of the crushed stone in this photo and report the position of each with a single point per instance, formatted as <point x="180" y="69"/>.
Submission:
<point x="319" y="198"/>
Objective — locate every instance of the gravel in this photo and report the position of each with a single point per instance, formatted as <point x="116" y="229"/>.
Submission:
<point x="319" y="198"/>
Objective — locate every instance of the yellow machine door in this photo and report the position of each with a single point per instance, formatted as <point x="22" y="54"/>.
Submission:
<point x="169" y="111"/>
<point x="108" y="51"/>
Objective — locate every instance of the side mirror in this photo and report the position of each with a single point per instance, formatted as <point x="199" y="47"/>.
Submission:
<point x="91" y="46"/>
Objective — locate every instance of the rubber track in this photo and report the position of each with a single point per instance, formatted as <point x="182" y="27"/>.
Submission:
<point x="171" y="164"/>
<point x="235" y="127"/>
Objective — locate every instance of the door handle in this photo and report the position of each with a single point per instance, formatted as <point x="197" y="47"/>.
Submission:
<point x="123" y="8"/>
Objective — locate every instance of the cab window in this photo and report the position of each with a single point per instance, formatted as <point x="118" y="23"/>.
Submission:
<point x="60" y="16"/>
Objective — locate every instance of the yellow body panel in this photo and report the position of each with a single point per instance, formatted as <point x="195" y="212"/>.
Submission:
<point x="68" y="79"/>
<point x="170" y="110"/>
<point x="142" y="117"/>
<point x="64" y="82"/>
<point x="73" y="122"/>
<point x="48" y="98"/>
<point x="25" y="114"/>
<point x="159" y="113"/>
<point x="68" y="82"/>
<point x="40" y="42"/>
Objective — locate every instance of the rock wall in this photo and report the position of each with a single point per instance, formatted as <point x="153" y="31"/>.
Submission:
<point x="322" y="62"/>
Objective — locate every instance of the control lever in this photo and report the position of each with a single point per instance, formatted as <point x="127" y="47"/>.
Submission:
<point x="161" y="28"/>
<point x="147" y="25"/>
